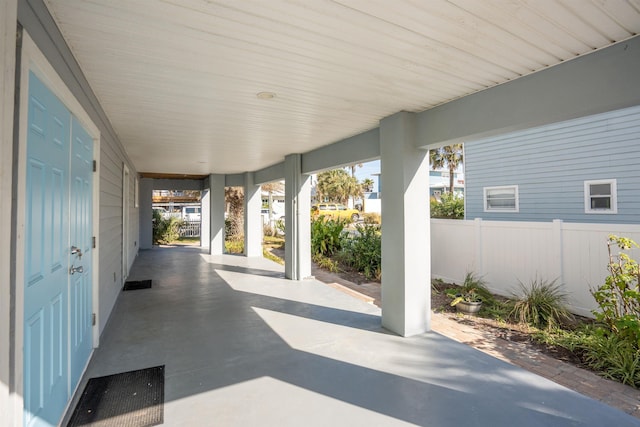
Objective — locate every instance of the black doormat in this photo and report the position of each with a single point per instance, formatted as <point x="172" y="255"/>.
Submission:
<point x="128" y="399"/>
<point x="134" y="285"/>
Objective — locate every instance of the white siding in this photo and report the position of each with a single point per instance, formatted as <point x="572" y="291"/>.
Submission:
<point x="39" y="24"/>
<point x="7" y="73"/>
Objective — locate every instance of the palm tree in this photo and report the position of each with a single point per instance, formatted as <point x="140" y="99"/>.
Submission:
<point x="367" y="185"/>
<point x="337" y="186"/>
<point x="234" y="198"/>
<point x="353" y="168"/>
<point x="449" y="156"/>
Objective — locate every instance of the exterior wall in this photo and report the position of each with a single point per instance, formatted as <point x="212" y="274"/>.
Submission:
<point x="550" y="164"/>
<point x="8" y="10"/>
<point x="134" y="224"/>
<point x="506" y="252"/>
<point x="36" y="20"/>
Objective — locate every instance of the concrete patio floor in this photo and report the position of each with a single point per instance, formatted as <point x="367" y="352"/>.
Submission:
<point x="245" y="347"/>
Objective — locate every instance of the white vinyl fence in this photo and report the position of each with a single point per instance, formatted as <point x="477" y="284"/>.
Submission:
<point x="505" y="252"/>
<point x="190" y="229"/>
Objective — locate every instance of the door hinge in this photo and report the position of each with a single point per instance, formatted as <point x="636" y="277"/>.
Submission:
<point x="95" y="166"/>
<point x="93" y="319"/>
<point x="93" y="242"/>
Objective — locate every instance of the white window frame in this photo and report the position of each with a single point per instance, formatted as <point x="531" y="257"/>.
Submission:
<point x="515" y="209"/>
<point x="614" y="197"/>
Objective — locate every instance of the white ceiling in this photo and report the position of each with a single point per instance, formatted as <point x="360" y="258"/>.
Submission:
<point x="179" y="78"/>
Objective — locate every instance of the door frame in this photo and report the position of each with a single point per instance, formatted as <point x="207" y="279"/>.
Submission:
<point x="32" y="59"/>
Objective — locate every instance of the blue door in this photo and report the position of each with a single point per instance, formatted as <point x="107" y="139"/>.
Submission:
<point x="54" y="352"/>
<point x="80" y="222"/>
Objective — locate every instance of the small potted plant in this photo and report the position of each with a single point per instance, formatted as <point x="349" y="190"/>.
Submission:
<point x="468" y="302"/>
<point x="468" y="298"/>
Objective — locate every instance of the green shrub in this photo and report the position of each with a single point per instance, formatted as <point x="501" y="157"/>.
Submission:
<point x="541" y="304"/>
<point x="611" y="346"/>
<point x="234" y="246"/>
<point x="619" y="297"/>
<point x="157" y="227"/>
<point x="472" y="284"/>
<point x="372" y="218"/>
<point x="326" y="236"/>
<point x="326" y="263"/>
<point x="450" y="206"/>
<point x="165" y="231"/>
<point x="614" y="357"/>
<point x="363" y="251"/>
<point x="497" y="310"/>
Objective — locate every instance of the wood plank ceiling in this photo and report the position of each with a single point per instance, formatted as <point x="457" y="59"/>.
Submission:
<point x="179" y="79"/>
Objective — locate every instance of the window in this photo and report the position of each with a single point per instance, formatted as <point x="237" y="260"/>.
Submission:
<point x="501" y="199"/>
<point x="600" y="196"/>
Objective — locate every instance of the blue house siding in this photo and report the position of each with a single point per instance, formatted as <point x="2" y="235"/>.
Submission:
<point x="550" y="164"/>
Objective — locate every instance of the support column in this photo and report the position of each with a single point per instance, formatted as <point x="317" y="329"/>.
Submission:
<point x="216" y="214"/>
<point x="406" y="239"/>
<point x="146" y="213"/>
<point x="297" y="202"/>
<point x="8" y="24"/>
<point x="205" y="217"/>
<point x="252" y="217"/>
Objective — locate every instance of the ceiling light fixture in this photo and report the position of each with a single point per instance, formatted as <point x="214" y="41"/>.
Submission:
<point x="266" y="95"/>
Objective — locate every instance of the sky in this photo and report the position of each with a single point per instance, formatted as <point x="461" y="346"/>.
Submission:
<point x="367" y="170"/>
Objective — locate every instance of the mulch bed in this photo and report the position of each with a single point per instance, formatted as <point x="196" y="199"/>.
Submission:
<point x="513" y="332"/>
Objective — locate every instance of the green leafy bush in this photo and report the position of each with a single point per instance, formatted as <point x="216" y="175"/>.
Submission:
<point x="363" y="251"/>
<point x="450" y="206"/>
<point x="234" y="246"/>
<point x="326" y="263"/>
<point x="619" y="297"/>
<point x="611" y="346"/>
<point x="326" y="236"/>
<point x="541" y="304"/>
<point x="472" y="284"/>
<point x="165" y="231"/>
<point x="615" y="357"/>
<point x="372" y="218"/>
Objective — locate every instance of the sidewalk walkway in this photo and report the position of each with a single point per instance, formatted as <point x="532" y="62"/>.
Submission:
<point x="243" y="346"/>
<point x="585" y="382"/>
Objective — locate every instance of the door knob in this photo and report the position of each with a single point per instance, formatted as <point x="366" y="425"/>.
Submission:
<point x="76" y="251"/>
<point x="73" y="270"/>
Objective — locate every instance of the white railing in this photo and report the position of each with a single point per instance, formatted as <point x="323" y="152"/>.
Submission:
<point x="505" y="252"/>
<point x="190" y="229"/>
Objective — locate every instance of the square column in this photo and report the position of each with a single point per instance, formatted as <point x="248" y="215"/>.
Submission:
<point x="216" y="214"/>
<point x="205" y="217"/>
<point x="252" y="217"/>
<point x="406" y="240"/>
<point x="297" y="204"/>
<point x="145" y="198"/>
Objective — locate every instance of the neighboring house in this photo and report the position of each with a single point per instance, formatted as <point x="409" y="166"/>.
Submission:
<point x="583" y="170"/>
<point x="439" y="183"/>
